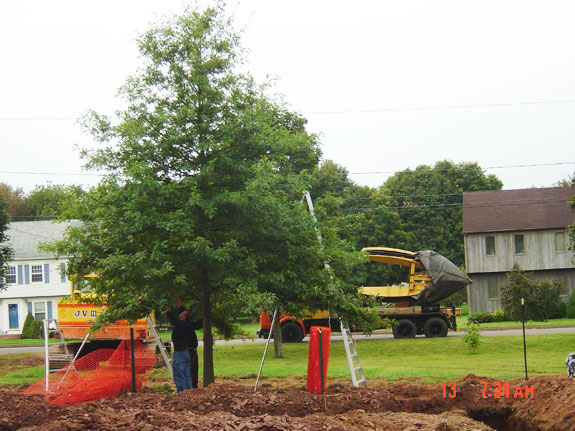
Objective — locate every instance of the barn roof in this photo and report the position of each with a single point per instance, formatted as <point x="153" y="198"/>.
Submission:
<point x="513" y="210"/>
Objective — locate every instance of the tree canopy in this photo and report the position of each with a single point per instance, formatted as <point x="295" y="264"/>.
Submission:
<point x="428" y="201"/>
<point x="202" y="195"/>
<point x="5" y="250"/>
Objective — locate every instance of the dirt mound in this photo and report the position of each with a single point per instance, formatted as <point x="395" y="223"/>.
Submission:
<point x="387" y="406"/>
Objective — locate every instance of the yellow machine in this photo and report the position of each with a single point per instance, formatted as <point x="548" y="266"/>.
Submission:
<point x="415" y="304"/>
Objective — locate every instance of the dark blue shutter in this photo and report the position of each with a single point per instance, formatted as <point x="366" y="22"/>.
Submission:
<point x="26" y="274"/>
<point x="46" y="273"/>
<point x="63" y="272"/>
<point x="30" y="308"/>
<point x="49" y="307"/>
<point x="20" y="274"/>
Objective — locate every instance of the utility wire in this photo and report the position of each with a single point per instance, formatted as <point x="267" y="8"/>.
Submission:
<point x="460" y="205"/>
<point x="407" y="171"/>
<point x="415" y="171"/>
<point x="435" y="108"/>
<point x="354" y="111"/>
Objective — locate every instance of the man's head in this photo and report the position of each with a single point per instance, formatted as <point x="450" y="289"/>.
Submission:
<point x="183" y="314"/>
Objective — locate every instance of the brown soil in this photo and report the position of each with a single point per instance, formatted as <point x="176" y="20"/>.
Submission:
<point x="231" y="404"/>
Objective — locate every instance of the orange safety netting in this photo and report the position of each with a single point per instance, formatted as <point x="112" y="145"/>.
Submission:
<point x="103" y="373"/>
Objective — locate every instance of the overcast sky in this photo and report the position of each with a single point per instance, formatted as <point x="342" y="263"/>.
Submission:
<point x="388" y="85"/>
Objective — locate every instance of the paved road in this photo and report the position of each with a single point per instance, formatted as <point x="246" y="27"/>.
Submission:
<point x="336" y="337"/>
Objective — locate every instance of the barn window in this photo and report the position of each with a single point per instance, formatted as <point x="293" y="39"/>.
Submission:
<point x="560" y="242"/>
<point x="492" y="290"/>
<point x="490" y="245"/>
<point x="519" y="244"/>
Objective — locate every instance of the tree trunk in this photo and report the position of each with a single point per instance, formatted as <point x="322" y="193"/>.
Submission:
<point x="277" y="331"/>
<point x="208" y="336"/>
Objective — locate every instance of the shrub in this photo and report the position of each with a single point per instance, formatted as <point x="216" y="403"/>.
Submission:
<point x="498" y="316"/>
<point x="32" y="328"/>
<point x="541" y="297"/>
<point x="482" y="317"/>
<point x="570" y="313"/>
<point x="473" y="336"/>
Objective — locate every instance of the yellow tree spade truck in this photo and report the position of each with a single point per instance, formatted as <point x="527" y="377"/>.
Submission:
<point x="414" y="305"/>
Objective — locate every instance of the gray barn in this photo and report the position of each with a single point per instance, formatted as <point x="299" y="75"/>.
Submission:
<point x="524" y="226"/>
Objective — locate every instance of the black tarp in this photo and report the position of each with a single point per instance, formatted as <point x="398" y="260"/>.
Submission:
<point x="446" y="277"/>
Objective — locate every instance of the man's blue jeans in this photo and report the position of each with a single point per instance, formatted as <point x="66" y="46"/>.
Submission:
<point x="181" y="370"/>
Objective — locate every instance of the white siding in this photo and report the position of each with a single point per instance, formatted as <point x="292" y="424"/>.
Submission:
<point x="25" y="292"/>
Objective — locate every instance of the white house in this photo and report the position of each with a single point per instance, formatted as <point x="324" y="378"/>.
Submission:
<point x="35" y="280"/>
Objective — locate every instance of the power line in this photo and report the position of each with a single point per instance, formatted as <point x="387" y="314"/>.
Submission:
<point x="354" y="111"/>
<point x="50" y="173"/>
<point x="461" y="205"/>
<point x="436" y="108"/>
<point x="409" y="171"/>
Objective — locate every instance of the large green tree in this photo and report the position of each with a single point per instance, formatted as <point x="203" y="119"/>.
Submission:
<point x="428" y="200"/>
<point x="202" y="196"/>
<point x="5" y="250"/>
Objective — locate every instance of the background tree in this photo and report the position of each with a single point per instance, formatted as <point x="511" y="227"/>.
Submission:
<point x="542" y="298"/>
<point x="429" y="203"/>
<point x="13" y="201"/>
<point x="50" y="201"/>
<point x="5" y="251"/>
<point x="202" y="196"/>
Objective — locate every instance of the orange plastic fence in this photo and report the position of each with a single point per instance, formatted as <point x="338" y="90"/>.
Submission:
<point x="103" y="373"/>
<point x="314" y="365"/>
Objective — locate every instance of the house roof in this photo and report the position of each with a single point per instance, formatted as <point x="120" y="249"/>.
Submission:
<point x="25" y="236"/>
<point x="513" y="210"/>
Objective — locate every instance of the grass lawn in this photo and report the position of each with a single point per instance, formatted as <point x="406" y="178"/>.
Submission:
<point x="434" y="360"/>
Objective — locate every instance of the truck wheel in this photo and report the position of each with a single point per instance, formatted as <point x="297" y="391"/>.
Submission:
<point x="291" y="332"/>
<point x="404" y="329"/>
<point x="435" y="327"/>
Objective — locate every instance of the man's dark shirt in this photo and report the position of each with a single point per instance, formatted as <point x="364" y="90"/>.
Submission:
<point x="184" y="332"/>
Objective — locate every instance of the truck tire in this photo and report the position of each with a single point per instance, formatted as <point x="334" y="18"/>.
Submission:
<point x="404" y="329"/>
<point x="435" y="327"/>
<point x="291" y="332"/>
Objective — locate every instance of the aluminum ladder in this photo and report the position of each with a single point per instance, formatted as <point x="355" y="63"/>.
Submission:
<point x="352" y="357"/>
<point x="350" y="350"/>
<point x="165" y="355"/>
<point x="51" y="327"/>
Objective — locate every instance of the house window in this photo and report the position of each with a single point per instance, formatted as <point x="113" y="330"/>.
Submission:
<point x="519" y="244"/>
<point x="492" y="290"/>
<point x="37" y="274"/>
<point x="560" y="242"/>
<point x="11" y="275"/>
<point x="490" y="245"/>
<point x="39" y="310"/>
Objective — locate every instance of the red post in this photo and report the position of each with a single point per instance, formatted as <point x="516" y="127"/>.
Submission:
<point x="315" y="369"/>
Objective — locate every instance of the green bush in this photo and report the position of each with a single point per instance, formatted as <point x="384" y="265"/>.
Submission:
<point x="571" y="306"/>
<point x="481" y="317"/>
<point x="473" y="336"/>
<point x="541" y="297"/>
<point x="32" y="328"/>
<point x="498" y="316"/>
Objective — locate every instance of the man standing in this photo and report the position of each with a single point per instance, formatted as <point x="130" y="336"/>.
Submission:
<point x="185" y="343"/>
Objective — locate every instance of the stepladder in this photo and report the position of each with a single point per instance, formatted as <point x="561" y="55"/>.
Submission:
<point x="57" y="355"/>
<point x="161" y="347"/>
<point x="357" y="376"/>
